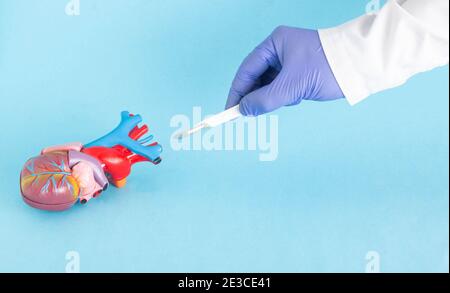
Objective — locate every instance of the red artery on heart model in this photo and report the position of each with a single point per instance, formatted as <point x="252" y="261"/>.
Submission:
<point x="117" y="160"/>
<point x="64" y="174"/>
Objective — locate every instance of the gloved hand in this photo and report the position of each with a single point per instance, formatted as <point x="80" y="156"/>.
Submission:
<point x="288" y="67"/>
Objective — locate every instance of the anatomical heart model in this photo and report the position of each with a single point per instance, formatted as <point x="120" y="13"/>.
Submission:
<point x="62" y="175"/>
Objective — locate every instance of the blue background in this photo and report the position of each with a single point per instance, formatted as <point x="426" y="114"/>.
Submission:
<point x="348" y="180"/>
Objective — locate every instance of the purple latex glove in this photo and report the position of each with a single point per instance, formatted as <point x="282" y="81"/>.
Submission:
<point x="288" y="67"/>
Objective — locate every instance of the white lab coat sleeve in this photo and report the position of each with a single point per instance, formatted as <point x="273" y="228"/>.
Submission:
<point x="383" y="50"/>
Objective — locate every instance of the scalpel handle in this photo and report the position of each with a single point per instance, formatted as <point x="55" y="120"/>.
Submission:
<point x="224" y="117"/>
